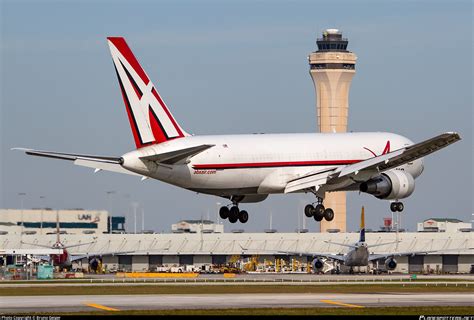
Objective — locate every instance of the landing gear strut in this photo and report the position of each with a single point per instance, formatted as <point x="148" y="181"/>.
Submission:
<point x="318" y="212"/>
<point x="233" y="214"/>
<point x="396" y="206"/>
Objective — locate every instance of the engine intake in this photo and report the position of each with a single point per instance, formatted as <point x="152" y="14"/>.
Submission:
<point x="393" y="184"/>
<point x="317" y="265"/>
<point x="390" y="264"/>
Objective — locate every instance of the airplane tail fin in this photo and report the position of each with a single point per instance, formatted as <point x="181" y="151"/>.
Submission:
<point x="362" y="225"/>
<point x="150" y="119"/>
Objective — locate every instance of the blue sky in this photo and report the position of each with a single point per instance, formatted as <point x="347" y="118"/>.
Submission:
<point x="229" y="67"/>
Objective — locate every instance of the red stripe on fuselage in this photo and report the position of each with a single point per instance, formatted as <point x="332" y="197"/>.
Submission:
<point x="124" y="49"/>
<point x="273" y="164"/>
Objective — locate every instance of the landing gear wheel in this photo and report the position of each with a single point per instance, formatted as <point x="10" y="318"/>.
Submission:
<point x="328" y="214"/>
<point x="396" y="206"/>
<point x="400" y="207"/>
<point x="393" y="207"/>
<point x="318" y="217"/>
<point x="224" y="212"/>
<point x="319" y="210"/>
<point x="309" y="210"/>
<point x="243" y="216"/>
<point x="234" y="214"/>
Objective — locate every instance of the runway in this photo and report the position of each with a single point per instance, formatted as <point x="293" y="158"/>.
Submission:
<point x="114" y="303"/>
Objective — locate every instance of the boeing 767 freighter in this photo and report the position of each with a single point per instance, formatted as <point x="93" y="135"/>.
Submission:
<point x="248" y="168"/>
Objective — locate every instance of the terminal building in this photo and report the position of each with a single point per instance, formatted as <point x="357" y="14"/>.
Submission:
<point x="202" y="243"/>
<point x="197" y="226"/>
<point x="71" y="221"/>
<point x="443" y="225"/>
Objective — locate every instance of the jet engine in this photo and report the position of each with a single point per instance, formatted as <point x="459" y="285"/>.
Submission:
<point x="390" y="264"/>
<point x="317" y="265"/>
<point x="390" y="185"/>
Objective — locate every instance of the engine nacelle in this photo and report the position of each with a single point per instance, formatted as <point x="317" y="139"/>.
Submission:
<point x="390" y="185"/>
<point x="390" y="264"/>
<point x="317" y="265"/>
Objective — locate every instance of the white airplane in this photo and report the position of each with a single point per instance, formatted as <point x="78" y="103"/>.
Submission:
<point x="59" y="255"/>
<point x="359" y="254"/>
<point x="248" y="168"/>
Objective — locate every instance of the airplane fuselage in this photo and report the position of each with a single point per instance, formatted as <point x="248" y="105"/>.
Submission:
<point x="262" y="164"/>
<point x="357" y="257"/>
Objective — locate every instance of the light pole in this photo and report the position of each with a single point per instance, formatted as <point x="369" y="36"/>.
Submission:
<point x="22" y="195"/>
<point x="109" y="218"/>
<point x="135" y="206"/>
<point x="42" y="208"/>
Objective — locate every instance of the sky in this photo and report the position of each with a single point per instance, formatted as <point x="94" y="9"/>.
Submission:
<point x="229" y="67"/>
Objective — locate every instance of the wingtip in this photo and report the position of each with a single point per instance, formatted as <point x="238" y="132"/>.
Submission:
<point x="20" y="149"/>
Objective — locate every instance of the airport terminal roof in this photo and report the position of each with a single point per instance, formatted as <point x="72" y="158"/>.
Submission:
<point x="246" y="243"/>
<point x="452" y="220"/>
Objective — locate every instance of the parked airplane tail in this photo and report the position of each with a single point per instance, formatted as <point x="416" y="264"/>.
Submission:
<point x="150" y="119"/>
<point x="362" y="225"/>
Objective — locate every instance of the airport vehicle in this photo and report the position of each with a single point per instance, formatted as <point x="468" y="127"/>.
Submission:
<point x="359" y="254"/>
<point x="248" y="168"/>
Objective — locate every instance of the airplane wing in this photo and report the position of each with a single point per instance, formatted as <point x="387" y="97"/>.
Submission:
<point x="36" y="252"/>
<point x="341" y="244"/>
<point x="338" y="257"/>
<point x="411" y="253"/>
<point x="309" y="180"/>
<point x="373" y="165"/>
<point x="382" y="244"/>
<point x="99" y="254"/>
<point x="79" y="244"/>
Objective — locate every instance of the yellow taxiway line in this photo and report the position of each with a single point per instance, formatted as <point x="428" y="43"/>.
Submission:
<point x="99" y="306"/>
<point x="342" y="304"/>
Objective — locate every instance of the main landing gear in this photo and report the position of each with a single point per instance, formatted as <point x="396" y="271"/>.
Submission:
<point x="396" y="206"/>
<point x="233" y="214"/>
<point x="318" y="212"/>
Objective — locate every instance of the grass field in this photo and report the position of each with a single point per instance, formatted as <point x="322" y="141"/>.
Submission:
<point x="340" y="311"/>
<point x="199" y="289"/>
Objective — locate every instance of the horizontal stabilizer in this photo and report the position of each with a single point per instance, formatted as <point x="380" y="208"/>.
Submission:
<point x="69" y="156"/>
<point x="173" y="157"/>
<point x="98" y="163"/>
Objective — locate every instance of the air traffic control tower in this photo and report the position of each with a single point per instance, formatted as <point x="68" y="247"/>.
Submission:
<point x="332" y="68"/>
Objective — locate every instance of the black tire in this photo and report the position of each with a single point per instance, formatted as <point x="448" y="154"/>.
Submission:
<point x="329" y="214"/>
<point x="319" y="209"/>
<point x="400" y="207"/>
<point x="309" y="210"/>
<point x="243" y="216"/>
<point x="318" y="217"/>
<point x="234" y="214"/>
<point x="393" y="207"/>
<point x="224" y="212"/>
